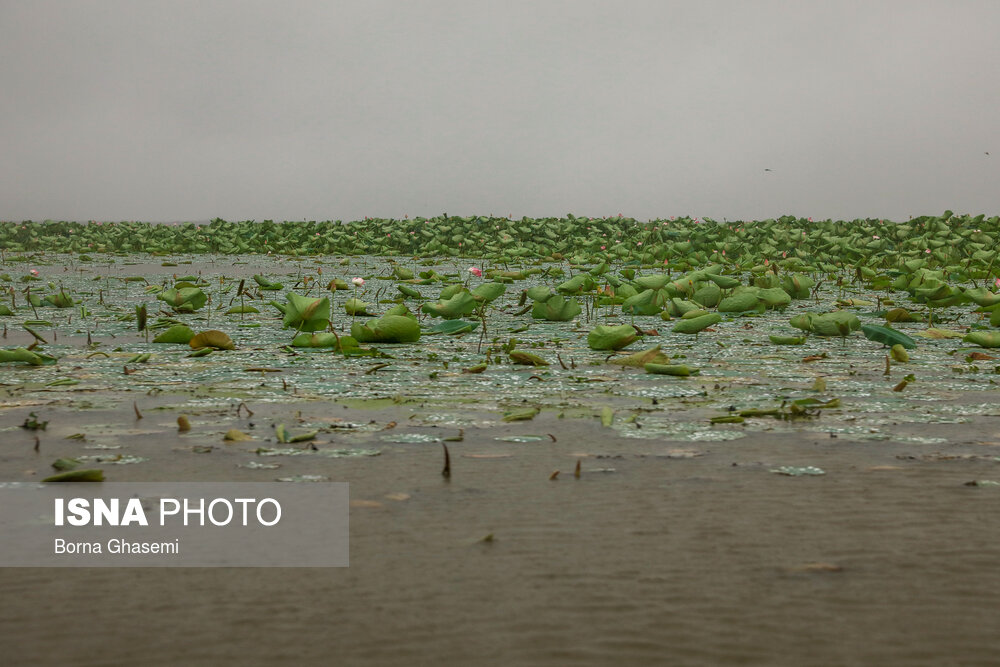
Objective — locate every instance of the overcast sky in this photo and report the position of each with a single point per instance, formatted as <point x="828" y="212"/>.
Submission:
<point x="179" y="110"/>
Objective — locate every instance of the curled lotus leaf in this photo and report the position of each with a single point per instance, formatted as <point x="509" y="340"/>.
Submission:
<point x="213" y="338"/>
<point x="604" y="337"/>
<point x="887" y="336"/>
<point x="178" y="333"/>
<point x="694" y="325"/>
<point x="306" y="314"/>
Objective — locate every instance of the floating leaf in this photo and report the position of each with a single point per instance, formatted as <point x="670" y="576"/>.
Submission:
<point x="605" y="337"/>
<point x="179" y="333"/>
<point x="77" y="476"/>
<point x="387" y="329"/>
<point x="640" y="359"/>
<point x="213" y="338"/>
<point x="678" y="370"/>
<point x="983" y="338"/>
<point x="694" y="325"/>
<point x="453" y="327"/>
<point x="305" y="314"/>
<point x="526" y="358"/>
<point x="520" y="415"/>
<point x="887" y="336"/>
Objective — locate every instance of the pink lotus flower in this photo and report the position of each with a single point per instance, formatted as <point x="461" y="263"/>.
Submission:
<point x="33" y="272"/>
<point x="928" y="251"/>
<point x="476" y="272"/>
<point x="997" y="282"/>
<point x="358" y="282"/>
<point x="639" y="243"/>
<point x="603" y="247"/>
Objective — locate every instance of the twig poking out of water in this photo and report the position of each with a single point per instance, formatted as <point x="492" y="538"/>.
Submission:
<point x="38" y="444"/>
<point x="135" y="406"/>
<point x="552" y="437"/>
<point x="576" y="473"/>
<point x="554" y="475"/>
<point x="564" y="367"/>
<point x="127" y="370"/>
<point x="446" y="472"/>
<point x="284" y="384"/>
<point x="243" y="406"/>
<point x="183" y="424"/>
<point x="375" y="368"/>
<point x="535" y="377"/>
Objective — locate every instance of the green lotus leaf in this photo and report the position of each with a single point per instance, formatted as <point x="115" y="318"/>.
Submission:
<point x="653" y="282"/>
<point x="266" y="284"/>
<point x="306" y="314"/>
<point x="488" y="291"/>
<point x="453" y="327"/>
<point x="708" y="295"/>
<point x="604" y="337"/>
<point x="325" y="340"/>
<point x="983" y="338"/>
<point x="887" y="336"/>
<point x="798" y="287"/>
<point x="647" y="302"/>
<point x="556" y="309"/>
<point x="774" y="297"/>
<point x="178" y="333"/>
<point x="639" y="359"/>
<point x="59" y="300"/>
<point x="838" y="323"/>
<point x="739" y="302"/>
<point x="902" y="315"/>
<point x="899" y="353"/>
<point x="450" y="291"/>
<point x="539" y="293"/>
<point x="459" y="305"/>
<point x="803" y="321"/>
<point x="671" y="369"/>
<point x="185" y="298"/>
<point x="5" y="310"/>
<point x="25" y="356"/>
<point x="581" y="282"/>
<point x="409" y="291"/>
<point x="356" y="307"/>
<point x="787" y="340"/>
<point x="526" y="358"/>
<point x="387" y="329"/>
<point x="982" y="297"/>
<point x="90" y="475"/>
<point x="693" y="326"/>
<point x="679" y="307"/>
<point x="725" y="282"/>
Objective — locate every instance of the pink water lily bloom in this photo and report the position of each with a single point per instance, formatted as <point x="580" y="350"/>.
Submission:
<point x="358" y="282"/>
<point x="476" y="272"/>
<point x="33" y="272"/>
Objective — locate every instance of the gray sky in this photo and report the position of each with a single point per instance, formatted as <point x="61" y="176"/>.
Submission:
<point x="178" y="110"/>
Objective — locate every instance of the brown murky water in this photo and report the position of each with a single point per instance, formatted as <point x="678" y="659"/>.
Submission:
<point x="661" y="553"/>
